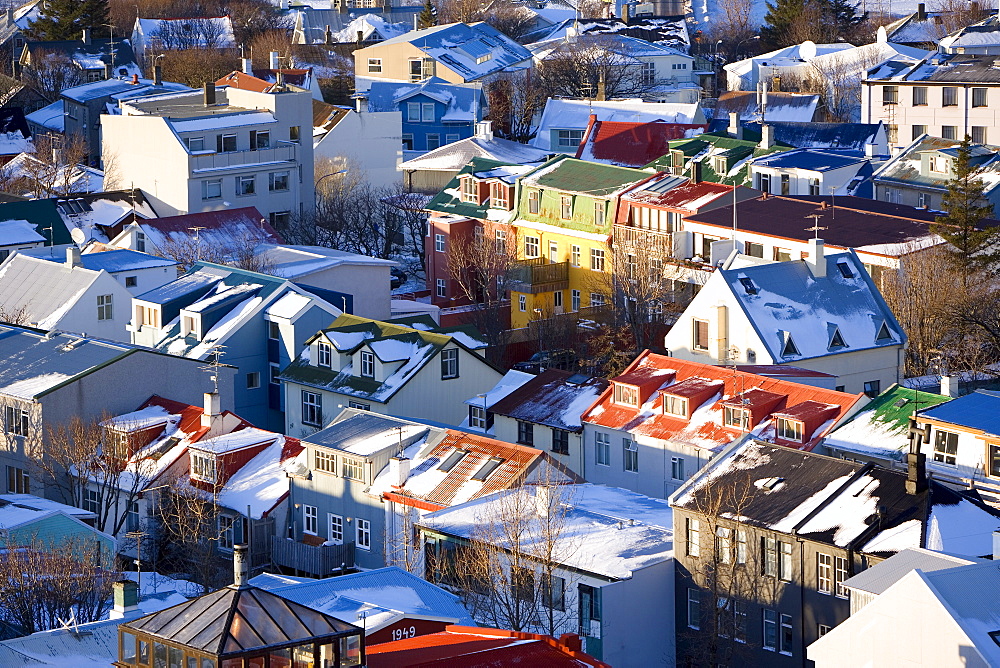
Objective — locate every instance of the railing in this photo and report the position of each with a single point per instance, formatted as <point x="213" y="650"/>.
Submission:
<point x="320" y="560"/>
<point x="539" y="275"/>
<point x="652" y="241"/>
<point x="285" y="153"/>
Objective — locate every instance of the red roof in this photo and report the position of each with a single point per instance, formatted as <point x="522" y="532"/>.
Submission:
<point x="190" y="415"/>
<point x="631" y="144"/>
<point x="263" y="80"/>
<point x="820" y="409"/>
<point x="688" y="197"/>
<point x="213" y="220"/>
<point x="463" y="646"/>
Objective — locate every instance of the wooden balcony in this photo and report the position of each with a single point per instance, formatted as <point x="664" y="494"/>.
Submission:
<point x="539" y="275"/>
<point x="652" y="241"/>
<point x="318" y="560"/>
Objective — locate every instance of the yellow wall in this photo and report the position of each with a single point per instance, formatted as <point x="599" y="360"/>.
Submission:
<point x="396" y="63"/>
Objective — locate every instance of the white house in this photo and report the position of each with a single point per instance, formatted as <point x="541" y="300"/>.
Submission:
<point x="810" y="171"/>
<point x="822" y="313"/>
<point x="367" y="144"/>
<point x="138" y="272"/>
<point x="215" y="149"/>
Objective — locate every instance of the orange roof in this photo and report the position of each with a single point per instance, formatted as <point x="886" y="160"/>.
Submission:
<point x="466" y="646"/>
<point x="817" y="408"/>
<point x="190" y="415"/>
<point x="245" y="81"/>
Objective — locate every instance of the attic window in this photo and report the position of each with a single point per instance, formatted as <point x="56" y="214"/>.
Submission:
<point x="837" y="341"/>
<point x="452" y="460"/>
<point x="769" y="484"/>
<point x="736" y="417"/>
<point x="790" y="348"/>
<point x="719" y="165"/>
<point x="470" y="190"/>
<point x="486" y="469"/>
<point x="203" y="467"/>
<point x="748" y="286"/>
<point x="675" y="405"/>
<point x="883" y="334"/>
<point x="626" y="395"/>
<point x="790" y="430"/>
<point x="995" y="635"/>
<point x="845" y="270"/>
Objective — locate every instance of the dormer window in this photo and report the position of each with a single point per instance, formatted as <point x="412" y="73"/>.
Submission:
<point x="324" y="354"/>
<point x="499" y="195"/>
<point x="883" y="335"/>
<point x="790" y="348"/>
<point x="626" y="395"/>
<point x="203" y="467"/>
<point x="738" y="418"/>
<point x="486" y="469"/>
<point x="719" y="164"/>
<point x="470" y="190"/>
<point x="189" y="326"/>
<point x="677" y="406"/>
<point x="118" y="443"/>
<point x="367" y="364"/>
<point x="790" y="430"/>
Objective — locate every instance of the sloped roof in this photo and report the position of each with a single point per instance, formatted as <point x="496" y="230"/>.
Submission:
<point x="632" y="144"/>
<point x="222" y="31"/>
<point x="121" y="85"/>
<point x="115" y="260"/>
<point x="912" y="29"/>
<point x="365" y="434"/>
<point x="668" y="31"/>
<point x="876" y="579"/>
<point x="44" y="290"/>
<point x="905" y="167"/>
<point x="983" y="33"/>
<point x="222" y="228"/>
<point x="454" y="156"/>
<point x="588" y="178"/>
<point x="815" y="160"/>
<point x="15" y="137"/>
<point x="941" y="67"/>
<point x="42" y="214"/>
<point x="612" y="42"/>
<point x="575" y="114"/>
<point x="706" y="429"/>
<point x="244" y="81"/>
<point x="50" y="117"/>
<point x="90" y="56"/>
<point x="553" y="398"/>
<point x="687" y="197"/>
<point x="450" y="201"/>
<point x="463" y="103"/>
<point x="979" y="410"/>
<point x="738" y="153"/>
<point x="796" y="107"/>
<point x="807" y="135"/>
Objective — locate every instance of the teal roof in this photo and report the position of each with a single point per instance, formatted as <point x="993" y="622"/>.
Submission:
<point x="450" y="201"/>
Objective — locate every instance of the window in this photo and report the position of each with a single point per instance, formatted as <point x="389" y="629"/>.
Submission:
<point x="533" y="201"/>
<point x="575" y="300"/>
<point x="566" y="207"/>
<point x="553" y="251"/>
<point x="700" y="334"/>
<point x="557" y="299"/>
<point x="277" y="181"/>
<point x="500" y="242"/>
<point x="359" y="406"/>
<point x="630" y="452"/>
<point x="439" y="243"/>
<point x="785" y="566"/>
<point x="596" y="299"/>
<point x="949" y="131"/>
<point x="770" y="630"/>
<point x="786" y="635"/>
<point x="246" y="185"/>
<point x="522" y="303"/>
<point x="560" y="441"/>
<point x="227" y="538"/>
<point x="273" y="330"/>
<point x="312" y="408"/>
<point x="498" y="196"/>
<point x="413" y="112"/>
<point x="525" y="432"/>
<point x="782" y="255"/>
<point x="677" y="468"/>
<point x="979" y="97"/>
<point x="91" y="500"/>
<point x="203" y="467"/>
<point x="367" y="364"/>
<point x="769" y="564"/>
<point x="649" y="73"/>
<point x="945" y="447"/>
<point x="293" y="133"/>
<point x="840" y="575"/>
<point x="353" y="469"/>
<point x="673" y="405"/>
<point x="596" y="259"/>
<point x="949" y="96"/>
<point x="568" y="139"/>
<point x="451" y="139"/>
<point x="18" y="481"/>
<point x="754" y="250"/>
<point x="553" y="592"/>
<point x="131" y="281"/>
<point x="522" y="583"/>
<point x="105" y="309"/>
<point x="374" y="65"/>
<point x="477" y="417"/>
<point x="364" y="534"/>
<point x="918" y="130"/>
<point x="872" y="388"/>
<point x="416" y="70"/>
<point x="693" y="536"/>
<point x="449" y="363"/>
<point x="275" y="378"/>
<point x="407" y="141"/>
<point x="736" y="417"/>
<point x="824" y="573"/>
<point x="598" y="213"/>
<point x="441" y="287"/>
<point x="531" y="247"/>
<point x="470" y="190"/>
<point x="741" y="546"/>
<point x="253" y="380"/>
<point x="16" y="421"/>
<point x="919" y="96"/>
<point x="335" y="528"/>
<point x="433" y="141"/>
<point x="626" y="394"/>
<point x="790" y="430"/>
<point x="602" y="448"/>
<point x="140" y="242"/>
<point x="486" y="469"/>
<point x="325" y="462"/>
<point x="280" y="219"/>
<point x="427" y="112"/>
<point x="260" y="140"/>
<point x="694" y="608"/>
<point x="225" y="143"/>
<point x="822" y="630"/>
<point x="324" y="356"/>
<point x="574" y="256"/>
<point x="978" y="134"/>
<point x="195" y="143"/>
<point x="814" y="187"/>
<point x="309" y="522"/>
<point x="994" y="460"/>
<point x="723" y="544"/>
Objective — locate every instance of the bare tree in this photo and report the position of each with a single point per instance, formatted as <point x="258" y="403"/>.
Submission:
<point x="594" y="65"/>
<point x="734" y="25"/>
<point x="401" y="544"/>
<point x="957" y="14"/>
<point x="51" y="73"/>
<point x="188" y="520"/>
<point x="516" y="100"/>
<point x="242" y="252"/>
<point x="53" y="169"/>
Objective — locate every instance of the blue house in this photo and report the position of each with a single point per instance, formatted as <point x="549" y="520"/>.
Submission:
<point x="434" y="111"/>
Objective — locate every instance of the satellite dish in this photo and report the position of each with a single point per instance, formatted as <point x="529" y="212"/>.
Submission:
<point x="881" y="36"/>
<point x="807" y="50"/>
<point x="78" y="236"/>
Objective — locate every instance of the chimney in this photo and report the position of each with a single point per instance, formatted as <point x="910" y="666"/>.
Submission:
<point x="916" y="473"/>
<point x="766" y="136"/>
<point x="247" y="66"/>
<point x="624" y="13"/>
<point x="949" y="385"/>
<point x="817" y="258"/>
<point x="921" y="12"/>
<point x="484" y="130"/>
<point x="86" y="36"/>
<point x="10" y="16"/>
<point x="871" y="150"/>
<point x="361" y="38"/>
<point x="275" y="61"/>
<point x="72" y="257"/>
<point x="544" y="500"/>
<point x="126" y="598"/>
<point x="328" y="36"/>
<point x="241" y="567"/>
<point x="209" y="93"/>
<point x="399" y="471"/>
<point x="108" y="70"/>
<point x="135" y="79"/>
<point x="735" y="129"/>
<point x="601" y="87"/>
<point x="996" y="546"/>
<point x="696" y="171"/>
<point x="212" y="412"/>
<point x="776" y="83"/>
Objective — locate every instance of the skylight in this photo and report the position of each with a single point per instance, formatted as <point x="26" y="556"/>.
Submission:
<point x="748" y="286"/>
<point x="486" y="469"/>
<point x="837" y="341"/>
<point x="845" y="270"/>
<point x="452" y="460"/>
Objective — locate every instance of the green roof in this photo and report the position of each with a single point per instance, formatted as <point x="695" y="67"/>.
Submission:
<point x="895" y="406"/>
<point x="450" y="201"/>
<point x="710" y="145"/>
<point x="43" y="214"/>
<point x="580" y="176"/>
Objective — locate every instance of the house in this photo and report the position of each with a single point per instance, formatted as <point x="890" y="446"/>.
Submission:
<point x="864" y="137"/>
<point x="631" y="144"/>
<point x="96" y="59"/>
<point x="810" y="171"/>
<point x="98" y="217"/>
<point x="15" y="20"/>
<point x="921" y="29"/>
<point x="393" y="603"/>
<point x="138" y="272"/>
<point x="799" y="525"/>
<point x="458" y="643"/>
<point x="434" y="112"/>
<point x="918" y="175"/>
<point x="263" y="80"/>
<point x="768" y="106"/>
<point x="29" y="177"/>
<point x="561" y="21"/>
<point x="822" y="313"/>
<point x="198" y="151"/>
<point x="614" y="556"/>
<point x="564" y="122"/>
<point x="935" y="613"/>
<point x="154" y="36"/>
<point x="385" y="367"/>
<point x="225" y="233"/>
<point x="49" y="379"/>
<point x="70" y="296"/>
<point x="47" y="120"/>
<point x="944" y="95"/>
<point x="978" y="39"/>
<point x="664" y="74"/>
<point x="363" y="143"/>
<point x="34" y="523"/>
<point x="339" y="26"/>
<point x="544" y="412"/>
<point x="431" y="172"/>
<point x="15" y="136"/>
<point x="455" y="52"/>
<point x="717" y="157"/>
<point x="663" y="418"/>
<point x="254" y="321"/>
<point x="29" y="224"/>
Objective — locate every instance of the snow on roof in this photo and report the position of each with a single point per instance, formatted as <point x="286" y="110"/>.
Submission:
<point x="45" y="290"/>
<point x="979" y="410"/>
<point x="511" y="381"/>
<point x="878" y="578"/>
<point x="609" y="531"/>
<point x="93" y="645"/>
<point x="454" y="156"/>
<point x="18" y="509"/>
<point x="796" y="107"/>
<point x="295" y="262"/>
<point x="49" y="117"/>
<point x="114" y="260"/>
<point x="18" y="232"/>
<point x="289" y="305"/>
<point x="143" y="418"/>
<point x="554" y="398"/>
<point x="575" y="115"/>
<point x="221" y="32"/>
<point x="261" y="483"/>
<point x="237" y="440"/>
<point x="369" y="24"/>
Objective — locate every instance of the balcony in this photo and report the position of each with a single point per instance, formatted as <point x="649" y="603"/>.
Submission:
<point x="318" y="560"/>
<point x="539" y="275"/>
<point x="203" y="162"/>
<point x="650" y="241"/>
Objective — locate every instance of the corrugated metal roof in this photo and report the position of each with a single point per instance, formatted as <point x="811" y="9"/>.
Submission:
<point x="881" y="576"/>
<point x="578" y="176"/>
<point x="979" y="410"/>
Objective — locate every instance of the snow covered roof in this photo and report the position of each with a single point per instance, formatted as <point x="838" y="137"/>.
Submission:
<point x="19" y="509"/>
<point x="113" y="260"/>
<point x="372" y="28"/>
<point x="454" y="156"/>
<point x="609" y="531"/>
<point x="833" y="501"/>
<point x="119" y="85"/>
<point x="44" y="291"/>
<point x="614" y="43"/>
<point x="553" y="398"/>
<point x="632" y="144"/>
<point x="463" y="102"/>
<point x="813" y="160"/>
<point x="672" y="192"/>
<point x="876" y="579"/>
<point x="797" y="315"/>
<point x="978" y="411"/>
<point x="49" y="117"/>
<point x="708" y="391"/>
<point x="940" y="67"/>
<point x="296" y="262"/>
<point x="510" y="382"/>
<point x="670" y="32"/>
<point x="27" y="170"/>
<point x="916" y="29"/>
<point x="259" y="485"/>
<point x="366" y="434"/>
<point x="575" y="115"/>
<point x="985" y="33"/>
<point x="93" y="645"/>
<point x="14" y="232"/>
<point x="906" y="166"/>
<point x="779" y="107"/>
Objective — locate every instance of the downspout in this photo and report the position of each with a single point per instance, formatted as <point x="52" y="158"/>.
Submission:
<point x="965" y="112"/>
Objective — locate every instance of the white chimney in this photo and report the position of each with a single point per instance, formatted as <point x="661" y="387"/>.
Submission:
<point x="817" y="259"/>
<point x="399" y="471"/>
<point x="996" y="545"/>
<point x="241" y="567"/>
<point x="72" y="257"/>
<point x="735" y="129"/>
<point x="766" y="136"/>
<point x="871" y="150"/>
<point x="212" y="412"/>
<point x="484" y="130"/>
<point x="543" y="500"/>
<point x="949" y="388"/>
<point x="247" y="66"/>
<point x="275" y="61"/>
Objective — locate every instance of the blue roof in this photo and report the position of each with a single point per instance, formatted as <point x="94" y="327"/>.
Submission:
<point x="459" y="99"/>
<point x="979" y="410"/>
<point x="389" y="588"/>
<point x="114" y="261"/>
<point x="812" y="159"/>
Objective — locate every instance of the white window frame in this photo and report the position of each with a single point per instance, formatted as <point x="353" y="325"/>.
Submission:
<point x="449" y="363"/>
<point x="203" y="467"/>
<point x="312" y="408"/>
<point x="363" y="533"/>
<point x="374" y="65"/>
<point x="602" y="448"/>
<point x="597" y="259"/>
<point x="335" y="528"/>
<point x="324" y="354"/>
<point x="630" y="456"/>
<point x="310" y="520"/>
<point x="105" y="307"/>
<point x="441" y="287"/>
<point x="532" y="247"/>
<point x="788" y="429"/>
<point x="367" y="364"/>
<point x="242" y="182"/>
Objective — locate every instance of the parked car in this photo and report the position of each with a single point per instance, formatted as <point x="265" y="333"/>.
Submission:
<point x="565" y="360"/>
<point x="398" y="277"/>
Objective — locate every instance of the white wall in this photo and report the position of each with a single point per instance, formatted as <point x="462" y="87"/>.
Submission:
<point x="370" y="143"/>
<point x="82" y="317"/>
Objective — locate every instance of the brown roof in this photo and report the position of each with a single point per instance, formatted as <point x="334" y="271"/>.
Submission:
<point x="545" y="398"/>
<point x="327" y="116"/>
